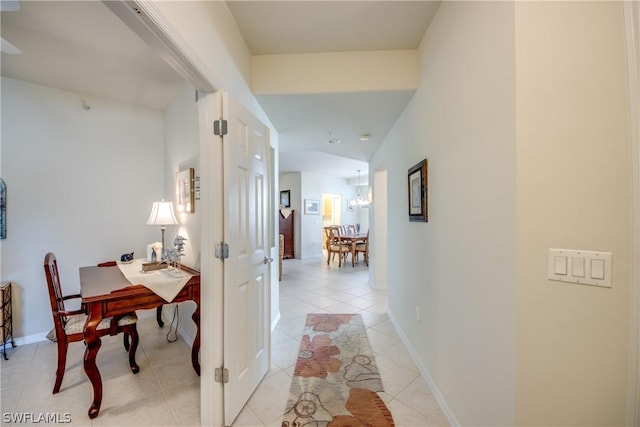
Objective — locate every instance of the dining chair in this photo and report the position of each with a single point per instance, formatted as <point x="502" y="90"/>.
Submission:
<point x="364" y="248"/>
<point x="69" y="324"/>
<point x="350" y="229"/>
<point x="335" y="245"/>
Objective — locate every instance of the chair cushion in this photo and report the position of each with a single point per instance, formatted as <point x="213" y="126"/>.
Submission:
<point x="75" y="323"/>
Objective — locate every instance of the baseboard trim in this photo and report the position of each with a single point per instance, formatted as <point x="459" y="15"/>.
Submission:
<point x="424" y="372"/>
<point x="30" y="339"/>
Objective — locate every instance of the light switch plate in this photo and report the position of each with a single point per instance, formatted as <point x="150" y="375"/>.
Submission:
<point x="584" y="267"/>
<point x="577" y="266"/>
<point x="560" y="265"/>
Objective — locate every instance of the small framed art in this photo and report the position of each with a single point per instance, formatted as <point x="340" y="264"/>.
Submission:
<point x="417" y="180"/>
<point x="285" y="198"/>
<point x="311" y="207"/>
<point x="184" y="183"/>
<point x="350" y="204"/>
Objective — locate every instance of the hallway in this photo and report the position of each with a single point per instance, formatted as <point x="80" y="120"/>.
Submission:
<point x="166" y="392"/>
<point x="310" y="286"/>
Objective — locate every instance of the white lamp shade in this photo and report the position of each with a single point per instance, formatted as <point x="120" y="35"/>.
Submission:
<point x="162" y="214"/>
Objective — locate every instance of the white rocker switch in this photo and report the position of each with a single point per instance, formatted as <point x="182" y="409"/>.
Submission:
<point x="597" y="269"/>
<point x="577" y="266"/>
<point x="561" y="265"/>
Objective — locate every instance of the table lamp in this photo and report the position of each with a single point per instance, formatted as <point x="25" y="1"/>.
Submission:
<point x="162" y="214"/>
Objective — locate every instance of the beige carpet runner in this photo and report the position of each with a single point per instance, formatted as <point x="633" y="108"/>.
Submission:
<point x="336" y="380"/>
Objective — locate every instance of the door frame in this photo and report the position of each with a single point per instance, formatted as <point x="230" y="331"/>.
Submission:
<point x="144" y="19"/>
<point x="631" y="12"/>
<point x="211" y="273"/>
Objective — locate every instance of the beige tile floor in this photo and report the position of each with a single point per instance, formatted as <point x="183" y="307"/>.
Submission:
<point x="166" y="392"/>
<point x="310" y="286"/>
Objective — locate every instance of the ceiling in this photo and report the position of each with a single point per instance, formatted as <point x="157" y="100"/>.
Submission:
<point x="82" y="47"/>
<point x="275" y="27"/>
<point x="306" y="122"/>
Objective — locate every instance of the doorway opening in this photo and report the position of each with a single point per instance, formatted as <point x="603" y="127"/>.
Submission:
<point x="331" y="212"/>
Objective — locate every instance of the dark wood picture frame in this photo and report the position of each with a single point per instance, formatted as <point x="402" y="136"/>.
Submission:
<point x="285" y="198"/>
<point x="418" y="200"/>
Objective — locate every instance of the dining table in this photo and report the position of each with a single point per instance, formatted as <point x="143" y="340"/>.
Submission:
<point x="106" y="292"/>
<point x="354" y="239"/>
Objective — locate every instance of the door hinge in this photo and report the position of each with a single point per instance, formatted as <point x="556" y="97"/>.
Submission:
<point x="222" y="251"/>
<point x="222" y="375"/>
<point x="220" y="127"/>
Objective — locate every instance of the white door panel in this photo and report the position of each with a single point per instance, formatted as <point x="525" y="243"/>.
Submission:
<point x="247" y="269"/>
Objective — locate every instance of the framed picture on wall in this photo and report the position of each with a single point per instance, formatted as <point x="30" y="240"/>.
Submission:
<point x="350" y="204"/>
<point x="311" y="207"/>
<point x="185" y="191"/>
<point x="417" y="180"/>
<point x="285" y="198"/>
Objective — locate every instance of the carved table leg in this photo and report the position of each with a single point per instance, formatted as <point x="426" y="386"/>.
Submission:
<point x="195" y="349"/>
<point x="93" y="343"/>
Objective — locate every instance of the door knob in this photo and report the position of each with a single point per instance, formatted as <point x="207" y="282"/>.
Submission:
<point x="268" y="260"/>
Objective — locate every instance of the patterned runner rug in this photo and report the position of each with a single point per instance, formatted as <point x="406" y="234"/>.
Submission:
<point x="336" y="380"/>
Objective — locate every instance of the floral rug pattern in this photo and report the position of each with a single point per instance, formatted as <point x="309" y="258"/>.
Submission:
<point x="336" y="380"/>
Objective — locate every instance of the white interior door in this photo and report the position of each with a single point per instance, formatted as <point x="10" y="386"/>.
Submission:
<point x="247" y="268"/>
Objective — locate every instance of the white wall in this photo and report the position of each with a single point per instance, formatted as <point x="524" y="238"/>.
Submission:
<point x="80" y="183"/>
<point x="325" y="72"/>
<point x="379" y="233"/>
<point x="574" y="191"/>
<point x="523" y="114"/>
<point x="632" y="21"/>
<point x="459" y="268"/>
<point x="362" y="216"/>
<point x="182" y="152"/>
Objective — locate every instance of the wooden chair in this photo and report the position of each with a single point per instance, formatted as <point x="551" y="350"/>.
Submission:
<point x="364" y="248"/>
<point x="69" y="325"/>
<point x="335" y="245"/>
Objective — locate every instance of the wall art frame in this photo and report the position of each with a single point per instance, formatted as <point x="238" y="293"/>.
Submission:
<point x="311" y="207"/>
<point x="418" y="192"/>
<point x="350" y="205"/>
<point x="185" y="190"/>
<point x="285" y="198"/>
